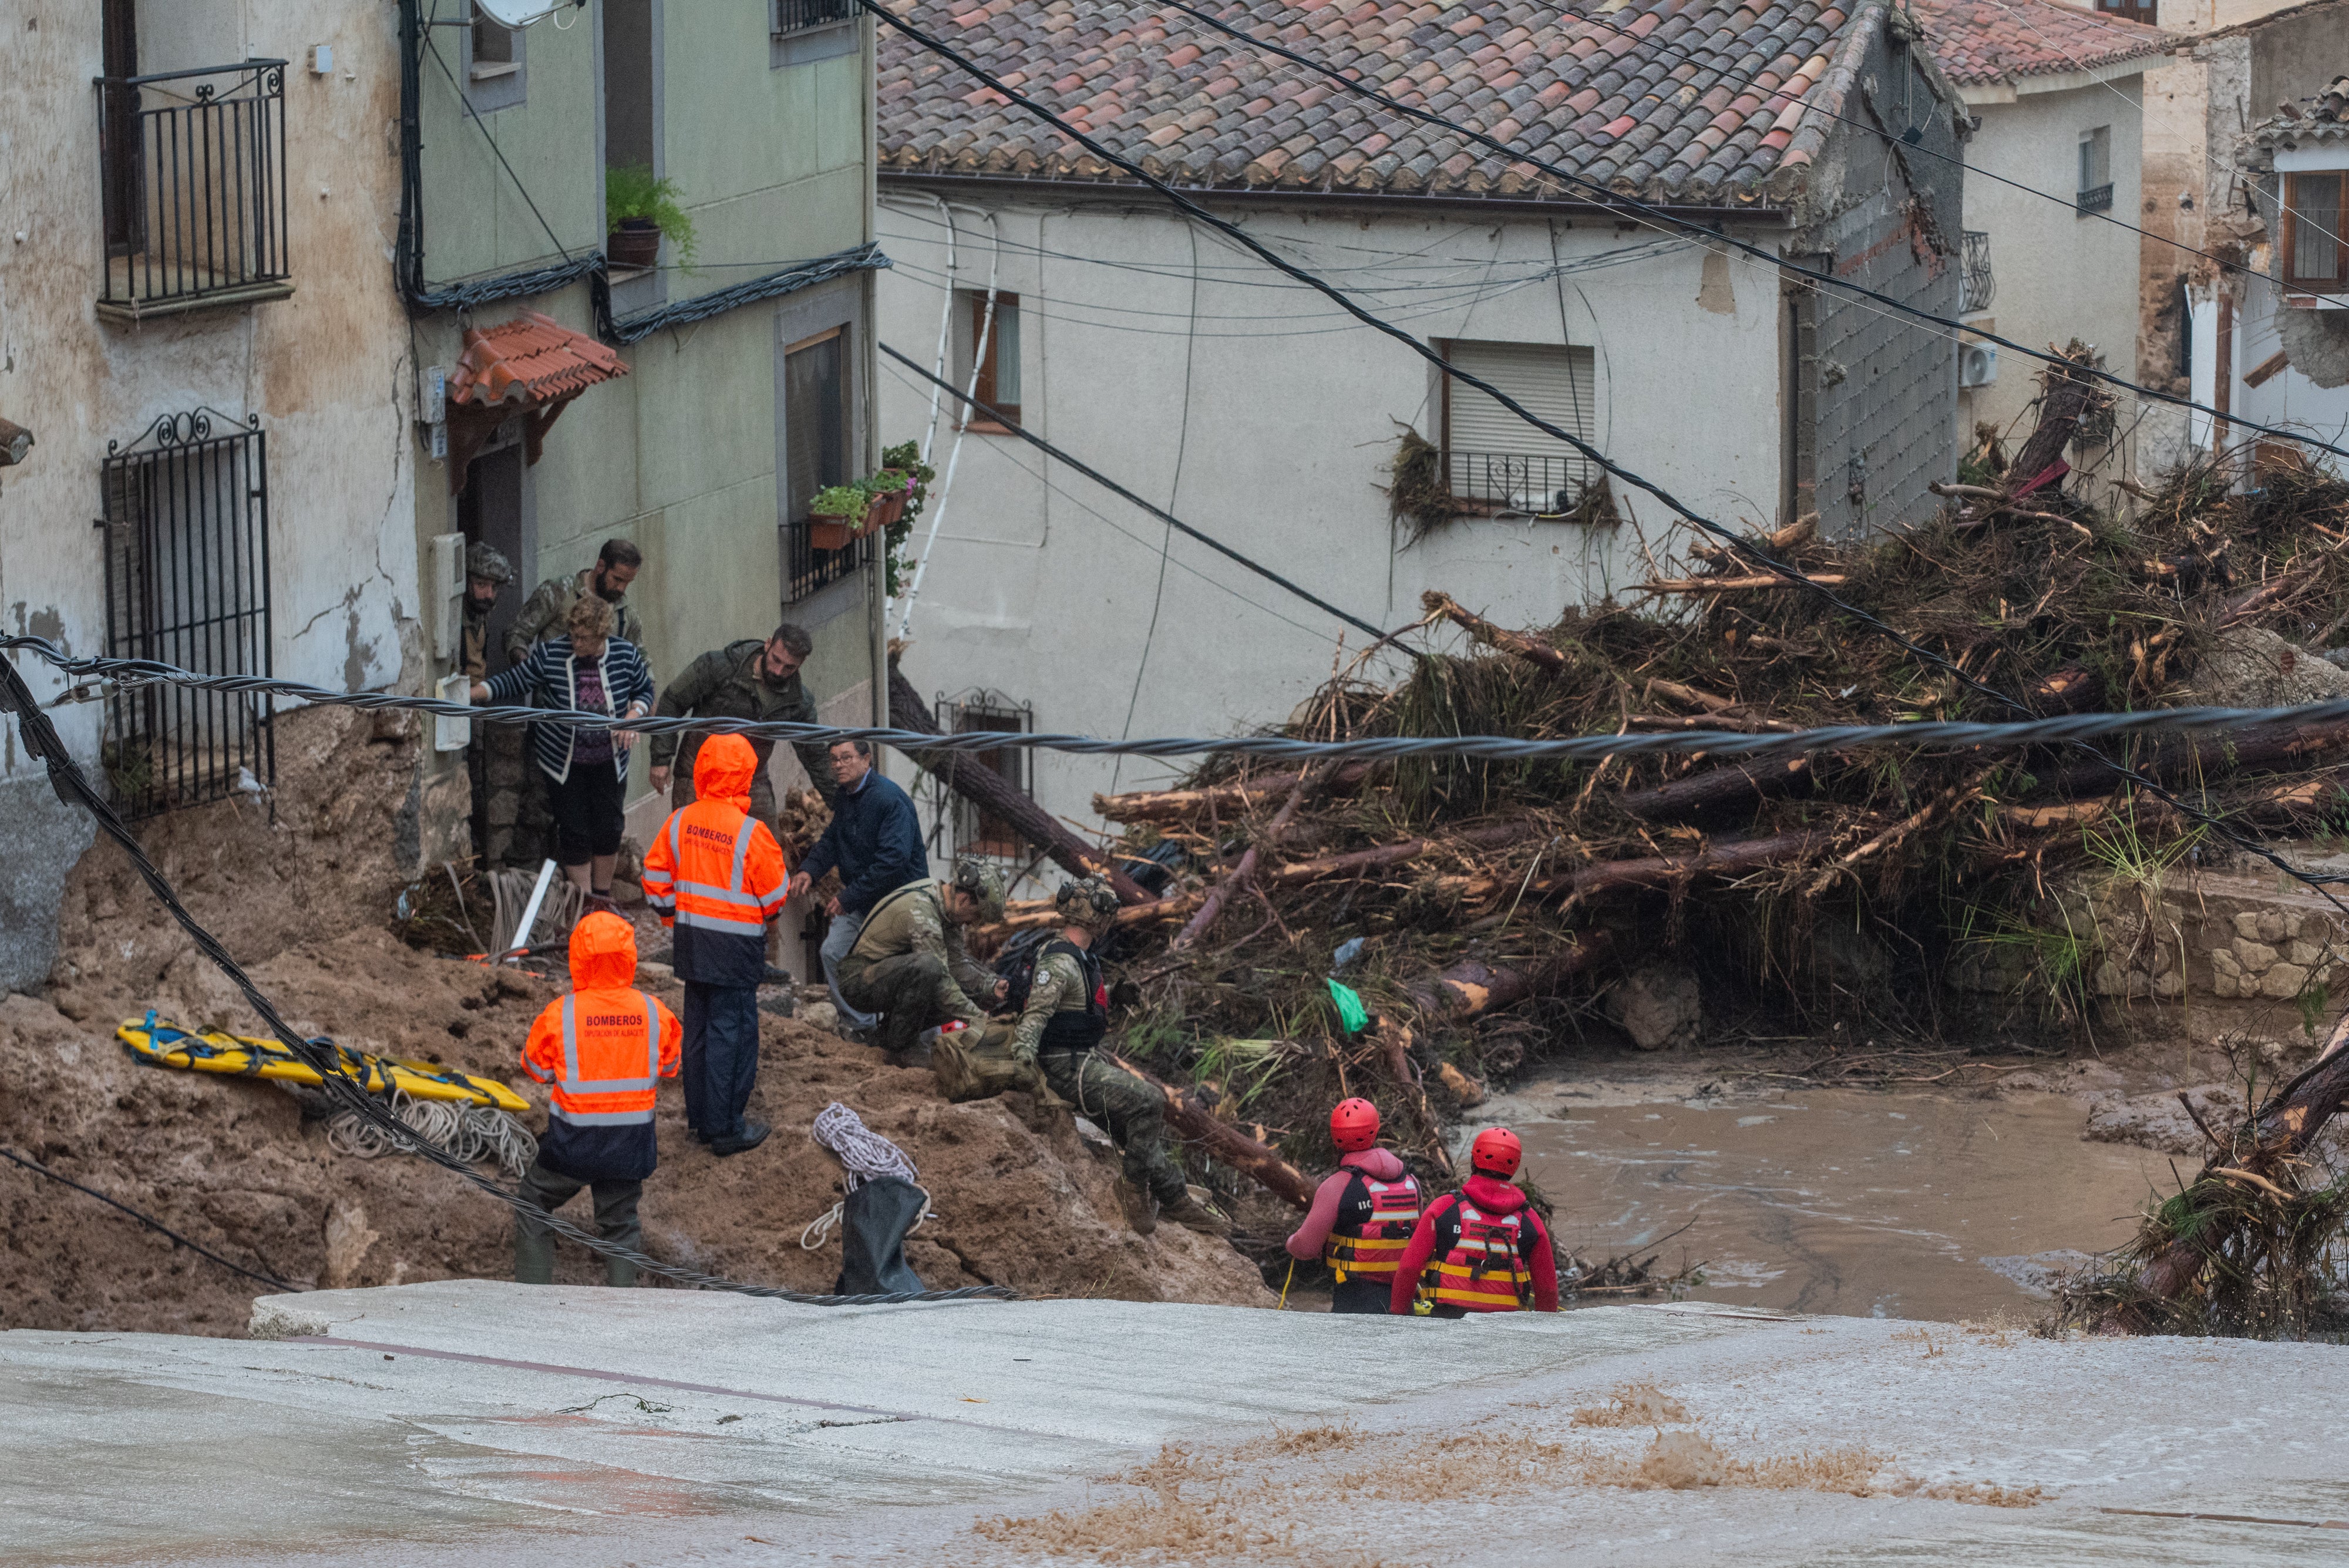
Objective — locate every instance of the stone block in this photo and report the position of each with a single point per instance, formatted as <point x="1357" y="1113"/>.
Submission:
<point x="2108" y="979"/>
<point x="2303" y="954"/>
<point x="2270" y="925"/>
<point x="2224" y="986"/>
<point x="2293" y="923"/>
<point x="2247" y="925"/>
<point x="2283" y="981"/>
<point x="2171" y="984"/>
<point x="2222" y="963"/>
<point x="2255" y="957"/>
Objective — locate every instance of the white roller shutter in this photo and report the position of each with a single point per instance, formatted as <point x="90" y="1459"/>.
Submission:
<point x="1494" y="455"/>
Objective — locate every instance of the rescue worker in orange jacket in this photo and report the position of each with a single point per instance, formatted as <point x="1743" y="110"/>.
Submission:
<point x="599" y="1049"/>
<point x="1490" y="1249"/>
<point x="716" y="877"/>
<point x="1362" y="1214"/>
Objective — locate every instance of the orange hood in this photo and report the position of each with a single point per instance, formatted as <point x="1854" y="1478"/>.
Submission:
<point x="722" y="769"/>
<point x="603" y="953"/>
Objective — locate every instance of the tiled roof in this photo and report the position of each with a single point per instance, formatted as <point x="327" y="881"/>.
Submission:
<point x="1698" y="104"/>
<point x="532" y="358"/>
<point x="1981" y="42"/>
<point x="2324" y="117"/>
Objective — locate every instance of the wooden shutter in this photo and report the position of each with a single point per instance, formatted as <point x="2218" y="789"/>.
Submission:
<point x="2315" y="254"/>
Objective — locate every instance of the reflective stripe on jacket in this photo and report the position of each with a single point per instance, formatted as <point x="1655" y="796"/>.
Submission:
<point x="1486" y="1269"/>
<point x="1375" y="1220"/>
<point x="716" y="876"/>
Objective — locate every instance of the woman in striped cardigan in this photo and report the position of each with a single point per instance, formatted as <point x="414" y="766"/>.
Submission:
<point x="586" y="768"/>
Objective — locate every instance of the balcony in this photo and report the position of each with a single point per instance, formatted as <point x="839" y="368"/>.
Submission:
<point x="192" y="165"/>
<point x="798" y="15"/>
<point x="1507" y="482"/>
<point x="2098" y="200"/>
<point x="807" y="569"/>
<point x="1978" y="284"/>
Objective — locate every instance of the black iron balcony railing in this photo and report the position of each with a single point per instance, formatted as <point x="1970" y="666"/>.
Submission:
<point x="793" y="16"/>
<point x="193" y="198"/>
<point x="1978" y="285"/>
<point x="1509" y="482"/>
<point x="2099" y="200"/>
<point x="806" y="568"/>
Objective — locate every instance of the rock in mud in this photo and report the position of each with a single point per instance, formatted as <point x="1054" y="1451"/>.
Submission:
<point x="1659" y="1006"/>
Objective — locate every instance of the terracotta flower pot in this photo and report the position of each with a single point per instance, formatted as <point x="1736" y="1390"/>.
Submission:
<point x="636" y="243"/>
<point x="831" y="532"/>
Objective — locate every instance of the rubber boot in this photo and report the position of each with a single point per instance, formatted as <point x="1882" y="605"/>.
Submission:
<point x="1140" y="1211"/>
<point x="619" y="1272"/>
<point x="1193" y="1215"/>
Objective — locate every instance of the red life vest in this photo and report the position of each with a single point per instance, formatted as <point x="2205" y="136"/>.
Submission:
<point x="1485" y="1270"/>
<point x="1371" y="1247"/>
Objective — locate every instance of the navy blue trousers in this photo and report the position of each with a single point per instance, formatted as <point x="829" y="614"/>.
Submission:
<point x="721" y="1056"/>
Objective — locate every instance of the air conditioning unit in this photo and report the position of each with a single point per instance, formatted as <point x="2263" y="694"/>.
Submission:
<point x="1977" y="364"/>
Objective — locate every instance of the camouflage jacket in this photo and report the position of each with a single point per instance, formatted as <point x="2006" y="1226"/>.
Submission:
<point x="547" y="613"/>
<point x="1059" y="986"/>
<point x="725" y="683"/>
<point x="912" y="919"/>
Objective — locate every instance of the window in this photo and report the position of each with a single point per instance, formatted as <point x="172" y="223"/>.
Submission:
<point x="805" y="31"/>
<point x="2140" y="11"/>
<point x="1492" y="456"/>
<point x="494" y="64"/>
<point x="976" y="831"/>
<point x="817" y="443"/>
<point x="187" y="582"/>
<point x="798" y="15"/>
<point x="2313" y="256"/>
<point x="2097" y="169"/>
<point x="998" y="368"/>
<point x="631" y="125"/>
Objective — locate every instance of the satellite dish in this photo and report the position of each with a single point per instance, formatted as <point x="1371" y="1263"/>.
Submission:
<point x="515" y="13"/>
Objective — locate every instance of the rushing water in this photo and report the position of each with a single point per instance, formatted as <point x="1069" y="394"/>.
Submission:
<point x="1894" y="1205"/>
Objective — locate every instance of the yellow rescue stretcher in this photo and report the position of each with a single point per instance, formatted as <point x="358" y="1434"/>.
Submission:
<point x="166" y="1044"/>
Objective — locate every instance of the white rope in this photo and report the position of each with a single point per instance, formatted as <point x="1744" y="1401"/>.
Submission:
<point x="866" y="1156"/>
<point x="471" y="1133"/>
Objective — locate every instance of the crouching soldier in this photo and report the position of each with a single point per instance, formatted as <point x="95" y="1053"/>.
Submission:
<point x="1066" y="1015"/>
<point x="1490" y="1251"/>
<point x="909" y="964"/>
<point x="599" y="1049"/>
<point x="1364" y="1213"/>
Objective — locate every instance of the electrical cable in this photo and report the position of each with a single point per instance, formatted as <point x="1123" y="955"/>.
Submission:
<point x="1737" y="542"/>
<point x="147" y="1220"/>
<point x="73" y="787"/>
<point x="1935" y="734"/>
<point x="1653" y="214"/>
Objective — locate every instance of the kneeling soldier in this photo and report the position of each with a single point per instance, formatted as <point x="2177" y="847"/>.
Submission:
<point x="1066" y="1015"/>
<point x="909" y="964"/>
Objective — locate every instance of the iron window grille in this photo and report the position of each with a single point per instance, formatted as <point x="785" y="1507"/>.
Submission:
<point x="798" y="15"/>
<point x="807" y="569"/>
<point x="977" y="711"/>
<point x="2099" y="200"/>
<point x="2096" y="171"/>
<point x="1510" y="482"/>
<point x="192" y="188"/>
<point x="1978" y="285"/>
<point x="186" y="529"/>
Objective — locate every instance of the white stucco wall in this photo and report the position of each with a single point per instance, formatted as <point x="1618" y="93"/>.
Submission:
<point x="1257" y="412"/>
<point x="2060" y="274"/>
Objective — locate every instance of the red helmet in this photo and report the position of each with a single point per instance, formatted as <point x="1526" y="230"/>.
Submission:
<point x="1354" y="1126"/>
<point x="1496" y="1152"/>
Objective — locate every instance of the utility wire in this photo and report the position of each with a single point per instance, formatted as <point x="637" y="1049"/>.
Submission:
<point x="1654" y="214"/>
<point x="37" y="1169"/>
<point x="2070" y="729"/>
<point x="74" y="788"/>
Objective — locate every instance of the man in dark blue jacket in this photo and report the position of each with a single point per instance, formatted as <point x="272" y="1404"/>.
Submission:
<point x="876" y="841"/>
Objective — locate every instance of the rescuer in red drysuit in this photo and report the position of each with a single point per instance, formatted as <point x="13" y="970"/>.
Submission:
<point x="1490" y="1249"/>
<point x="1362" y="1214"/>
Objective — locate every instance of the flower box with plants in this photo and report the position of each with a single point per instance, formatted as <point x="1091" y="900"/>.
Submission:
<point x="638" y="209"/>
<point x="842" y="514"/>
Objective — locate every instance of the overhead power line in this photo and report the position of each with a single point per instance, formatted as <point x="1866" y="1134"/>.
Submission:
<point x="1651" y="212"/>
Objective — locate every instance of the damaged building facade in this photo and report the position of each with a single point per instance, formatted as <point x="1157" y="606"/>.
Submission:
<point x="1255" y="410"/>
<point x="196" y="329"/>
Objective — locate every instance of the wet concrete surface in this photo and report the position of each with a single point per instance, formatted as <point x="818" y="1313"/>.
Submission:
<point x="1907" y="1205"/>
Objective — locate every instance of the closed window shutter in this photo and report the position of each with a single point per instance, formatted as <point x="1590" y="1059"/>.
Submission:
<point x="1555" y="383"/>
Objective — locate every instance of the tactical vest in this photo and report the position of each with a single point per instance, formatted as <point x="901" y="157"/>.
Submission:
<point x="1485" y="1270"/>
<point x="1070" y="1031"/>
<point x="1375" y="1220"/>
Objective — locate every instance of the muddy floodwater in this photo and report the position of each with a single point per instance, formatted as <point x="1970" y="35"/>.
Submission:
<point x="1908" y="1206"/>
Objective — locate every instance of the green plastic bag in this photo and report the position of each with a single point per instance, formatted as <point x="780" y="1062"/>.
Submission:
<point x="1350" y="1011"/>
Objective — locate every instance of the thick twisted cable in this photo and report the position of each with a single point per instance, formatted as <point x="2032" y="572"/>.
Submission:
<point x="1937" y="734"/>
<point x="66" y="775"/>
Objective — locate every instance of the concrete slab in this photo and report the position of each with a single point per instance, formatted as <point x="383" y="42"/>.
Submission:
<point x="485" y="1423"/>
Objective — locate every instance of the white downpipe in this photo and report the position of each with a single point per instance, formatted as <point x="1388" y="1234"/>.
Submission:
<point x="937" y="508"/>
<point x="946" y="326"/>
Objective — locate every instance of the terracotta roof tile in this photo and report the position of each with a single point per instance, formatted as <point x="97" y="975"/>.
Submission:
<point x="1673" y="112"/>
<point x="1981" y="42"/>
<point x="532" y="358"/>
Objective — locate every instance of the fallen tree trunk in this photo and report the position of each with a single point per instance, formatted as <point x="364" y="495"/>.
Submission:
<point x="1718" y="790"/>
<point x="1242" y="874"/>
<point x="1030" y="914"/>
<point x="991" y="791"/>
<point x="1471" y="988"/>
<point x="1182" y="805"/>
<point x="1736" y="585"/>
<point x="1534" y="652"/>
<point x="1192" y="1120"/>
<point x="2258" y="748"/>
<point x="1732" y="860"/>
<point x="1393" y="1036"/>
<point x="2066" y="395"/>
<point x="1489" y="835"/>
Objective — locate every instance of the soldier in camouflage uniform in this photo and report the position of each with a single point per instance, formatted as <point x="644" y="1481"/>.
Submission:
<point x="547" y="612"/>
<point x="745" y="679"/>
<point x="909" y="964"/>
<point x="486" y="572"/>
<point x="1066" y="1016"/>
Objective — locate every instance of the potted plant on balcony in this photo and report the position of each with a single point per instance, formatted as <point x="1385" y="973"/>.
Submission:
<point x="888" y="490"/>
<point x="836" y="517"/>
<point x="638" y="209"/>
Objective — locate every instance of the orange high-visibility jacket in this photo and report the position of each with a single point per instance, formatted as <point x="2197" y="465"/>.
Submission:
<point x="600" y="1049"/>
<point x="715" y="875"/>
